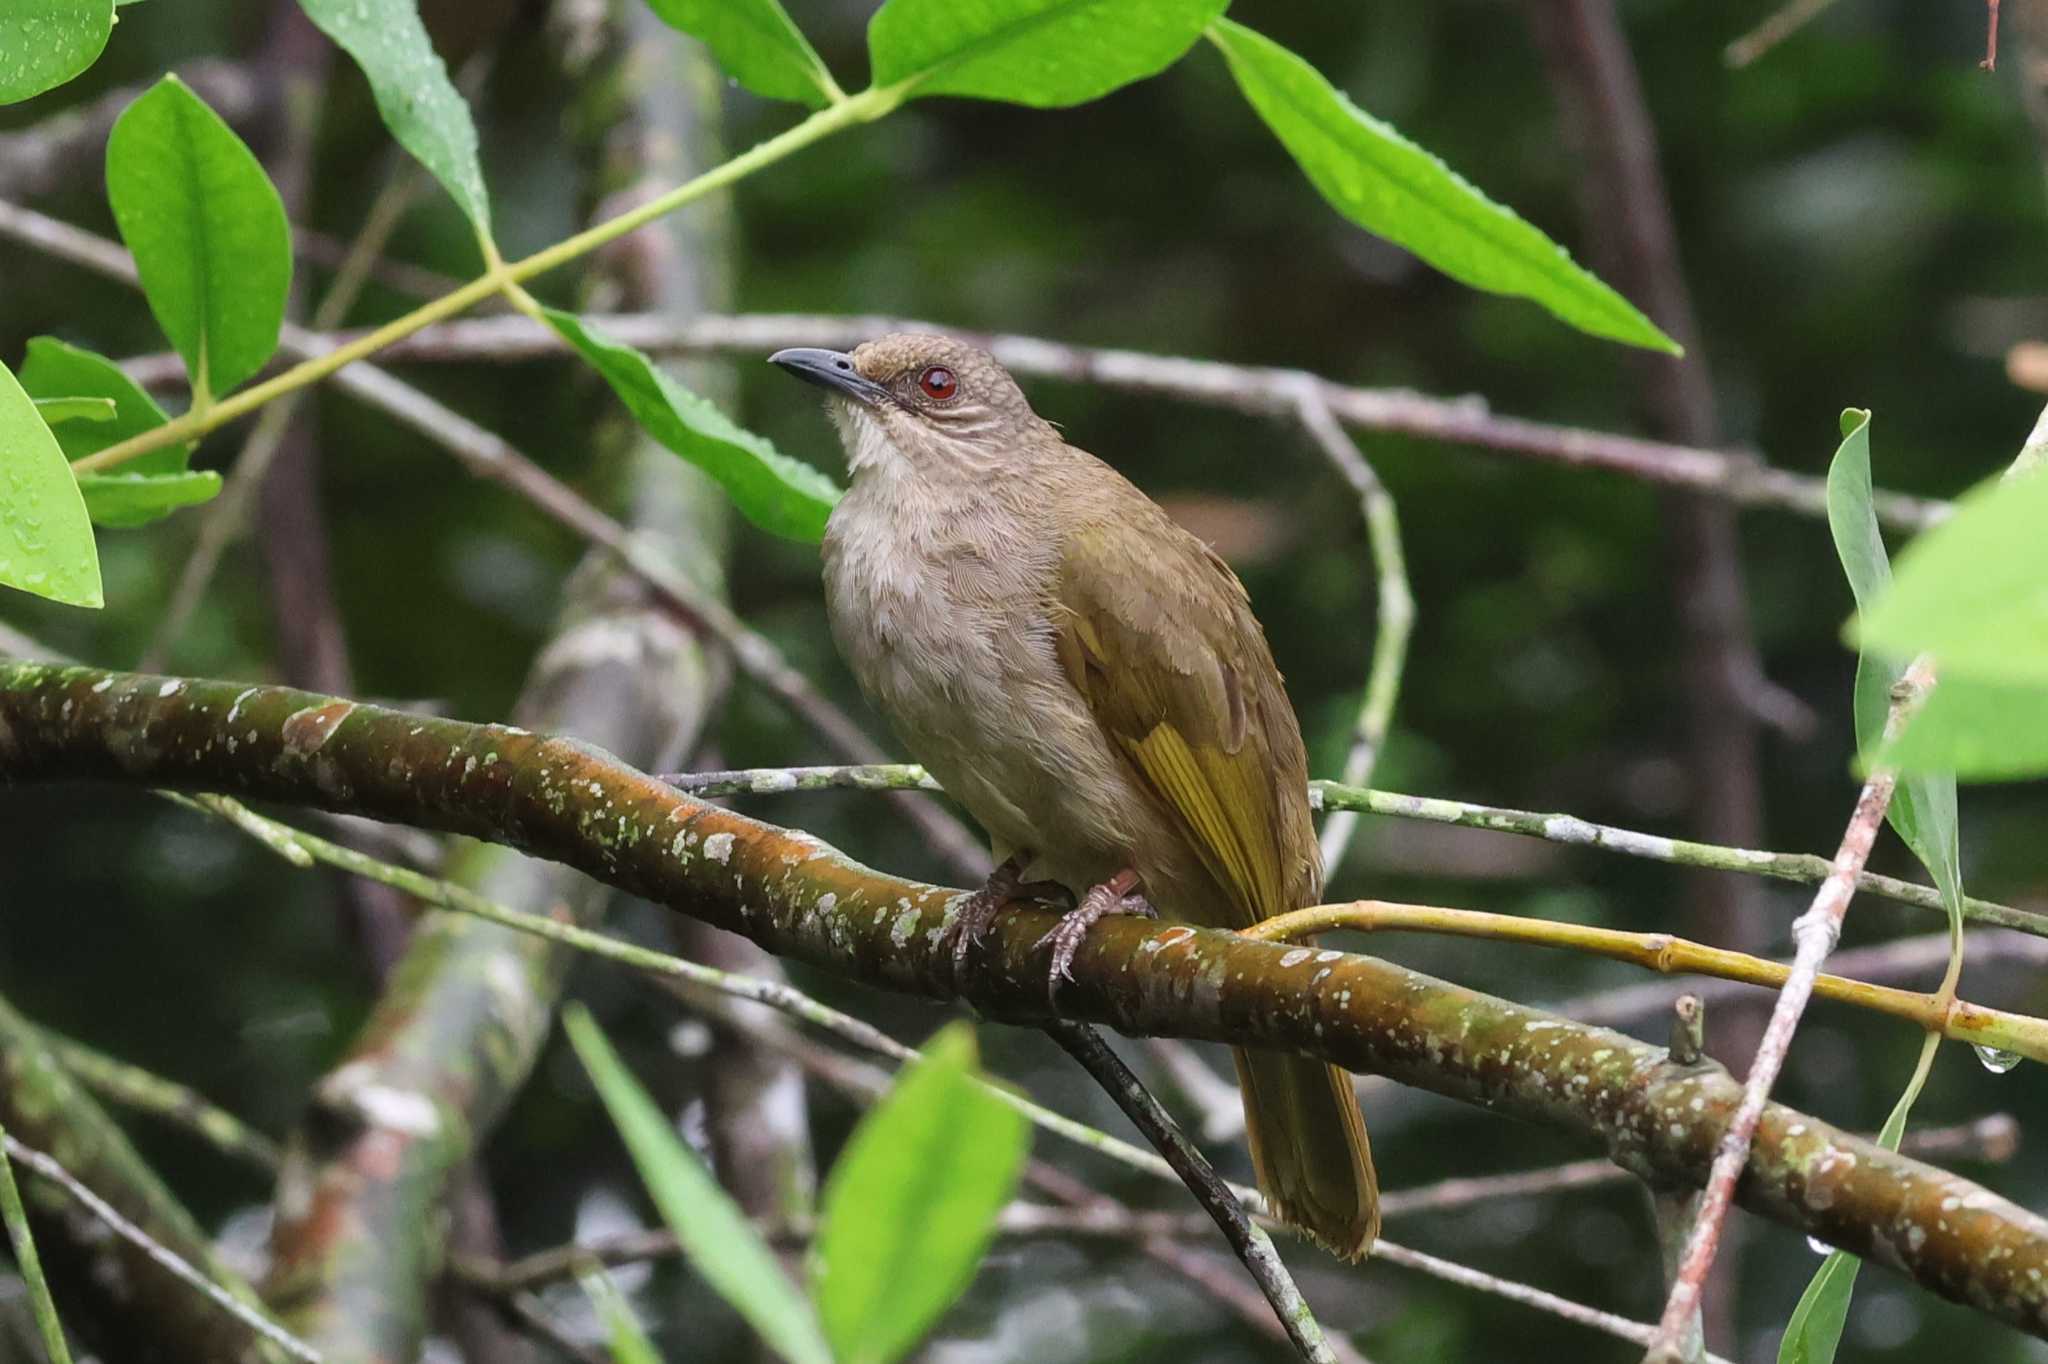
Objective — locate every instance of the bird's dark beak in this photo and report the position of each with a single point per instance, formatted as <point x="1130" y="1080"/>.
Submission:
<point x="831" y="369"/>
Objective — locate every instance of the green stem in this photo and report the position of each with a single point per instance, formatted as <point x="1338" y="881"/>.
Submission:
<point x="865" y="107"/>
<point x="31" y="1265"/>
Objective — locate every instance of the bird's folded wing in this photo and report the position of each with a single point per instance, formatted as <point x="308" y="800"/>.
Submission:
<point x="1157" y="634"/>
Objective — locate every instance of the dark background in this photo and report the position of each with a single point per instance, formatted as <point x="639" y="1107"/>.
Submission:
<point x="1861" y="221"/>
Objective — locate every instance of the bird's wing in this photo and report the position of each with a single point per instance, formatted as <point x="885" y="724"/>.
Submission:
<point x="1156" y="632"/>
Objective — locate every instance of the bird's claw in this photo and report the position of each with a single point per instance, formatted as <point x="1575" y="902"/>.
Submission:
<point x="1113" y="896"/>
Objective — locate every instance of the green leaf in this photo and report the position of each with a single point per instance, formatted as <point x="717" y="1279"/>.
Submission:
<point x="1979" y="731"/>
<point x="125" y="500"/>
<point x="912" y="1202"/>
<point x="784" y="496"/>
<point x="1971" y="590"/>
<point x="629" y="1341"/>
<point x="757" y="44"/>
<point x="44" y="43"/>
<point x="716" y="1236"/>
<point x="56" y="368"/>
<point x="15" y="1217"/>
<point x="1923" y="808"/>
<point x="1394" y="189"/>
<point x="1814" y="1331"/>
<point x="415" y="98"/>
<point x="46" y="544"/>
<point x="144" y="489"/>
<point x="207" y="231"/>
<point x="56" y="411"/>
<point x="1044" y="53"/>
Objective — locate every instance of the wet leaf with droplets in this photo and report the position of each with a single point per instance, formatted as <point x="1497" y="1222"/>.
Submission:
<point x="415" y="98"/>
<point x="757" y="44"/>
<point x="44" y="43"/>
<point x="46" y="544"/>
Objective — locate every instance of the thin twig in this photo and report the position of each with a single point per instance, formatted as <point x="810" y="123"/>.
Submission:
<point x="1772" y="31"/>
<point x="1634" y="1331"/>
<point x="1804" y="868"/>
<point x="1268" y="391"/>
<point x="1253" y="1246"/>
<point x="146" y="1092"/>
<point x="169" y="1259"/>
<point x="1939" y="1012"/>
<point x="1816" y="933"/>
<point x="28" y="1262"/>
<point x="1396" y="612"/>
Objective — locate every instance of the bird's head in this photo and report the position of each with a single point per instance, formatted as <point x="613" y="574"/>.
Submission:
<point x="943" y="406"/>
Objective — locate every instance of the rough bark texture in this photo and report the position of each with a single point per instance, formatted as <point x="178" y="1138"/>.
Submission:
<point x="796" y="897"/>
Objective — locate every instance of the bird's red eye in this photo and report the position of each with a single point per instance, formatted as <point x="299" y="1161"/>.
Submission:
<point x="938" y="383"/>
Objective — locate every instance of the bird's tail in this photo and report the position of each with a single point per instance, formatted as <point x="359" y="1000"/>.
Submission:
<point x="1309" y="1148"/>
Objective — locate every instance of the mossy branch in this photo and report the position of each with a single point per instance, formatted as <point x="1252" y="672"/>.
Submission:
<point x="795" y="896"/>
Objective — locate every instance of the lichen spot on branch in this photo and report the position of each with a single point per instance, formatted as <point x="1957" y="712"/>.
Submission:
<point x="307" y="731"/>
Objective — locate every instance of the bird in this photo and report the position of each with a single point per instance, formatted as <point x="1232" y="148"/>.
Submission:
<point x="1087" y="679"/>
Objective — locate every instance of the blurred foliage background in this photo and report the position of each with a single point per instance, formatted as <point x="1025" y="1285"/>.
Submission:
<point x="1861" y="217"/>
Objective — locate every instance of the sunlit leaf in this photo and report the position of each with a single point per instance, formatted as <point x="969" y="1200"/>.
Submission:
<point x="1973" y="591"/>
<point x="207" y="231"/>
<point x="775" y="492"/>
<point x="1979" y="731"/>
<point x="44" y="43"/>
<point x="46" y="544"/>
<point x="417" y="101"/>
<point x="1044" y="53"/>
<point x="715" y="1235"/>
<point x="756" y="43"/>
<point x="912" y="1202"/>
<point x="1386" y="184"/>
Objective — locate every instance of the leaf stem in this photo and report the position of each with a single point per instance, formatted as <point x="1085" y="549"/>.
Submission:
<point x="500" y="277"/>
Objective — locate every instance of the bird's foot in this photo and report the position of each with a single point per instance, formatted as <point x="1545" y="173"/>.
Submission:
<point x="1117" y="895"/>
<point x="1005" y="886"/>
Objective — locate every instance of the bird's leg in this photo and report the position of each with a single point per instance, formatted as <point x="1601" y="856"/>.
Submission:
<point x="1117" y="895"/>
<point x="1005" y="886"/>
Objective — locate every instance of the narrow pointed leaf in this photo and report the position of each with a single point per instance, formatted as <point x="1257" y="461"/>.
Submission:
<point x="46" y="544"/>
<point x="1043" y="53"/>
<point x="1923" y="808"/>
<point x="207" y="231"/>
<point x="912" y="1202"/>
<point x="715" y="1235"/>
<point x="15" y="1218"/>
<point x="44" y="43"/>
<point x="56" y="411"/>
<point x="1394" y="189"/>
<point x="417" y="101"/>
<point x="777" y="493"/>
<point x="757" y="44"/>
<point x="56" y="368"/>
<point x="627" y="1338"/>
